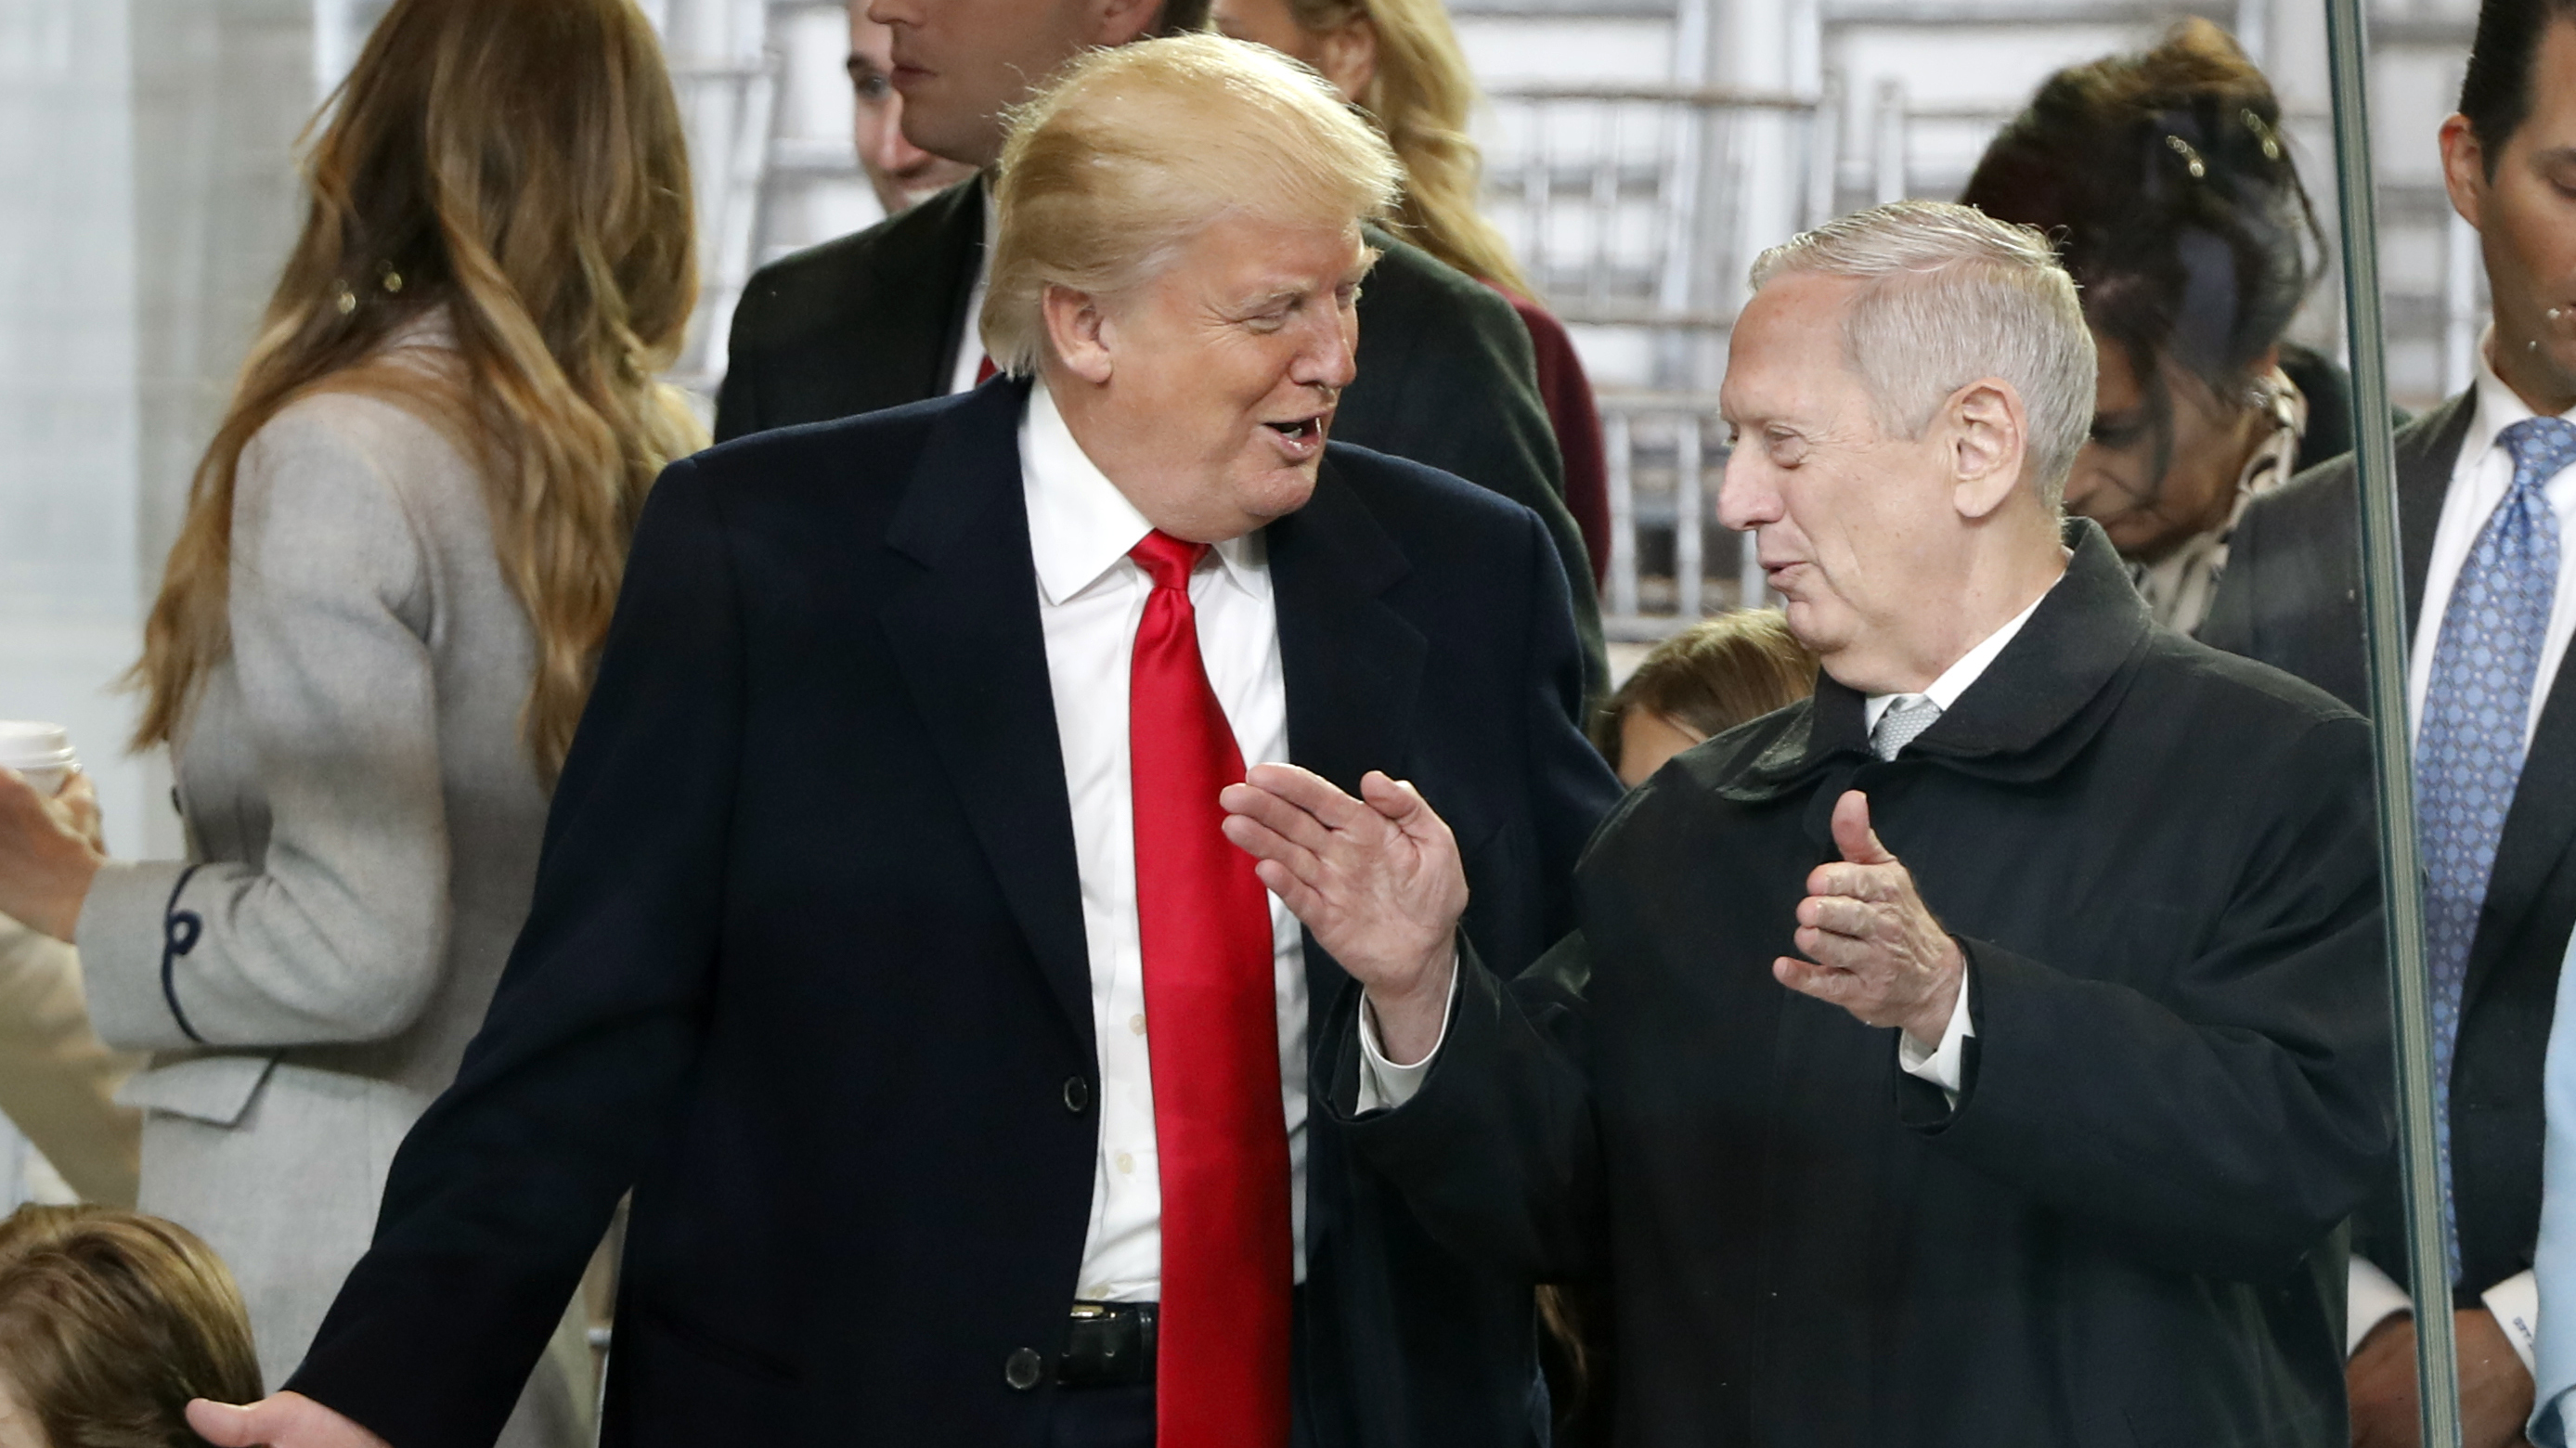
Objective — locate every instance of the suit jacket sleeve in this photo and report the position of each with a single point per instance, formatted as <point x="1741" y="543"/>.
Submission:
<point x="340" y="932"/>
<point x="498" y="1196"/>
<point x="2227" y="1124"/>
<point x="1496" y="1153"/>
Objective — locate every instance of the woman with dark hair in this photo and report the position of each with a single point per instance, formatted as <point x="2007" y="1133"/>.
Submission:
<point x="2169" y="188"/>
<point x="378" y="626"/>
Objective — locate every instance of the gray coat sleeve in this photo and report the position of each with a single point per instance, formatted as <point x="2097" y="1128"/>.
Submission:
<point x="339" y="934"/>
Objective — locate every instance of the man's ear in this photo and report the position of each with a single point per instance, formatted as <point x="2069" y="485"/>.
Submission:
<point x="2464" y="168"/>
<point x="1986" y="441"/>
<point x="1115" y="22"/>
<point x="1349" y="57"/>
<point x="1080" y="333"/>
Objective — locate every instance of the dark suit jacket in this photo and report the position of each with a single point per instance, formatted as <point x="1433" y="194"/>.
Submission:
<point x="2126" y="1233"/>
<point x="2292" y="598"/>
<point x="806" y="968"/>
<point x="1446" y="372"/>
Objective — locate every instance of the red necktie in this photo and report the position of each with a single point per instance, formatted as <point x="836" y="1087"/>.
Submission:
<point x="984" y="371"/>
<point x="1221" y="1371"/>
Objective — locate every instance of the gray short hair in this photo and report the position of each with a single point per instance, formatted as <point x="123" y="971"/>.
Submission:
<point x="1953" y="295"/>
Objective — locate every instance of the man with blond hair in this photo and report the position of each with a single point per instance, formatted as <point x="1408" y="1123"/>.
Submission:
<point x="1983" y="1052"/>
<point x="887" y="943"/>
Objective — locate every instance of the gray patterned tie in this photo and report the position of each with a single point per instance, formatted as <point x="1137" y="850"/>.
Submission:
<point x="1907" y="715"/>
<point x="2468" y="757"/>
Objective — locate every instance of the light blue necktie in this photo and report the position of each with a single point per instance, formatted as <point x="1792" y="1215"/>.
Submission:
<point x="2469" y="753"/>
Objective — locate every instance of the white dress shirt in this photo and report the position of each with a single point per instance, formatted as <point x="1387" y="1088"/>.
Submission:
<point x="1090" y="599"/>
<point x="2479" y="480"/>
<point x="970" y="338"/>
<point x="1382" y="1082"/>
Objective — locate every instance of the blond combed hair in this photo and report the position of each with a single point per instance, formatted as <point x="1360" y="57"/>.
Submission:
<point x="1422" y="95"/>
<point x="1950" y="296"/>
<point x="1131" y="151"/>
<point x="518" y="169"/>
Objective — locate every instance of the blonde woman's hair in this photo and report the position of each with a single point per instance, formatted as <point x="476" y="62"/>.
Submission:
<point x="1132" y="151"/>
<point x="110" y="1321"/>
<point x="1951" y="295"/>
<point x="1421" y="97"/>
<point x="517" y="167"/>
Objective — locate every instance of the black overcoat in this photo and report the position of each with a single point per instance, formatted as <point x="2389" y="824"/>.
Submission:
<point x="2159" y="860"/>
<point x="806" y="968"/>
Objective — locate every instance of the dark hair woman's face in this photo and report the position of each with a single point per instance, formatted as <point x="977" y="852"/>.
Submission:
<point x="2155" y="475"/>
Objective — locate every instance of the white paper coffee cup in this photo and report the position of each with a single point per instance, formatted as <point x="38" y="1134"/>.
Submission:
<point x="41" y="752"/>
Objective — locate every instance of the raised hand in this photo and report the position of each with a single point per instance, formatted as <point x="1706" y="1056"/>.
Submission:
<point x="1377" y="879"/>
<point x="1874" y="947"/>
<point x="281" y="1420"/>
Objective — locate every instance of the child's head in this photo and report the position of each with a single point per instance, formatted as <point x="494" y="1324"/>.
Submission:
<point x="110" y="1322"/>
<point x="1700" y="683"/>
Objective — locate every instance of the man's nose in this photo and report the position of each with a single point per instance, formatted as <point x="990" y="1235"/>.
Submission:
<point x="1746" y="498"/>
<point x="1331" y="359"/>
<point x="895" y="12"/>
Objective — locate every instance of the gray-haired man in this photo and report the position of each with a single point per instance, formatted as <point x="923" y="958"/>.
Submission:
<point x="2080" y="1056"/>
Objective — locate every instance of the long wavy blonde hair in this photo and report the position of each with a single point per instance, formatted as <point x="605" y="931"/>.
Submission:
<point x="518" y="167"/>
<point x="1421" y="96"/>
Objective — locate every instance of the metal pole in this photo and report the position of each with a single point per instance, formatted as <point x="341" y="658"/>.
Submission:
<point x="2384" y="626"/>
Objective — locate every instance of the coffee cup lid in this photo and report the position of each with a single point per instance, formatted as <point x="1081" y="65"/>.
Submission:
<point x="25" y="746"/>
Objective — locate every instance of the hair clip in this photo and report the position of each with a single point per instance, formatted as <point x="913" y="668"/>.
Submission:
<point x="2271" y="139"/>
<point x="388" y="278"/>
<point x="2190" y="157"/>
<point x="346" y="300"/>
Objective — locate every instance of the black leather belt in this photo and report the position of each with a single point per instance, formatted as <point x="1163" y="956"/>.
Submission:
<point x="1111" y="1345"/>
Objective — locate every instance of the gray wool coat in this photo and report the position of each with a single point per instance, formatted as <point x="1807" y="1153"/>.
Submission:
<point x="363" y="823"/>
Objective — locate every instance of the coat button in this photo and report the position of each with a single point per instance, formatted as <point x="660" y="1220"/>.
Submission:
<point x="1023" y="1368"/>
<point x="1077" y="1094"/>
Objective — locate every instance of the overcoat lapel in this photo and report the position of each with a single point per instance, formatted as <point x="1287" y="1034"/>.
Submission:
<point x="1352" y="664"/>
<point x="966" y="635"/>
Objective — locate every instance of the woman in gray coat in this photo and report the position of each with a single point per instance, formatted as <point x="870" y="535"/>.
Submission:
<point x="377" y="627"/>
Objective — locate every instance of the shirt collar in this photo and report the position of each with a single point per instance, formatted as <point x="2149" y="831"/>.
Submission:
<point x="2498" y="405"/>
<point x="1954" y="681"/>
<point x="1080" y="525"/>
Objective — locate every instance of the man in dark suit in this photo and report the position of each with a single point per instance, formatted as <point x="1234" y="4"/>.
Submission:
<point x="2061" y="1164"/>
<point x="893" y="826"/>
<point x="883" y="318"/>
<point x="2486" y="512"/>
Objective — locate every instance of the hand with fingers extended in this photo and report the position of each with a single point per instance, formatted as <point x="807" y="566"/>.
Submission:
<point x="281" y="1420"/>
<point x="1377" y="879"/>
<point x="1873" y="946"/>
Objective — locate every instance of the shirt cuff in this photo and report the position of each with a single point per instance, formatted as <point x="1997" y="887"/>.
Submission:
<point x="1385" y="1085"/>
<point x="1942" y="1065"/>
<point x="2516" y="1304"/>
<point x="2371" y="1297"/>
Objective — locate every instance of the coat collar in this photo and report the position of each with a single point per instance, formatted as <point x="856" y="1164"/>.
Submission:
<point x="2033" y="710"/>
